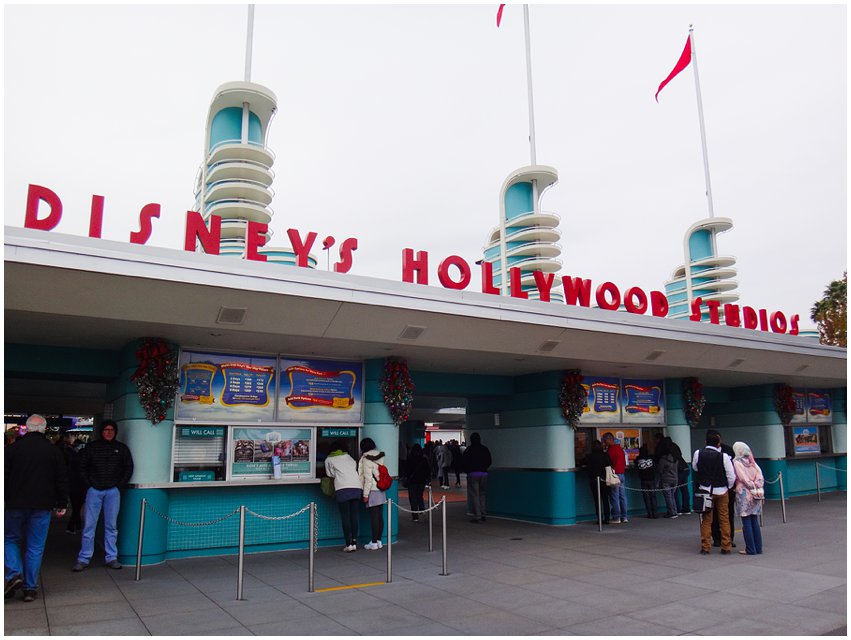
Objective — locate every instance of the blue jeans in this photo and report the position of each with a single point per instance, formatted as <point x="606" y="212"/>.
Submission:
<point x="110" y="501"/>
<point x="617" y="497"/>
<point x="32" y="525"/>
<point x="752" y="534"/>
<point x="670" y="500"/>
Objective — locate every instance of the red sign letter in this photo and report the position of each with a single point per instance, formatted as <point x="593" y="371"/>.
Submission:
<point x="410" y="265"/>
<point x="575" y="288"/>
<point x="196" y="231"/>
<point x="713" y="306"/>
<point x="659" y="304"/>
<point x="731" y="315"/>
<point x="35" y="194"/>
<point x="255" y="237"/>
<point x="612" y="290"/>
<point x="301" y="249"/>
<point x="630" y="304"/>
<point x="463" y="267"/>
<point x="516" y="287"/>
<point x="544" y="282"/>
<point x="763" y="320"/>
<point x="696" y="313"/>
<point x="778" y="322"/>
<point x="149" y="211"/>
<point x="96" y="219"/>
<point x="487" y="279"/>
<point x="794" y="330"/>
<point x="749" y="317"/>
<point x="346" y="249"/>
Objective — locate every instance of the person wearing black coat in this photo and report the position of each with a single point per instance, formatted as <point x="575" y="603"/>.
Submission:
<point x="36" y="481"/>
<point x="596" y="463"/>
<point x="76" y="485"/>
<point x="646" y="468"/>
<point x="477" y="461"/>
<point x="106" y="465"/>
<point x="419" y="475"/>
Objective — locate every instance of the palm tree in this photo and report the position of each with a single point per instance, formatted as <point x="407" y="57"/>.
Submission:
<point x="830" y="313"/>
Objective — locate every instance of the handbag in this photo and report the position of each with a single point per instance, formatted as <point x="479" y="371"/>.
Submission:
<point x="758" y="493"/>
<point x="327" y="486"/>
<point x="612" y="479"/>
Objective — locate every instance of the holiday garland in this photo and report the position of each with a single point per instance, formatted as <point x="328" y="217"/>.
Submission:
<point x="156" y="378"/>
<point x="572" y="397"/>
<point x="398" y="390"/>
<point x="784" y="403"/>
<point x="694" y="400"/>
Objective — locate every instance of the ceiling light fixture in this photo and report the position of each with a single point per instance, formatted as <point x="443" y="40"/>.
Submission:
<point x="736" y="362"/>
<point x="231" y="315"/>
<point x="653" y="355"/>
<point x="411" y="332"/>
<point x="549" y="345"/>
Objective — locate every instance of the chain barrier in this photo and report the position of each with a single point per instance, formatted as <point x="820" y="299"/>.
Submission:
<point x="292" y="515"/>
<point x="192" y="524"/>
<point x="777" y="479"/>
<point x="685" y="484"/>
<point x="432" y="508"/>
<point x="824" y="466"/>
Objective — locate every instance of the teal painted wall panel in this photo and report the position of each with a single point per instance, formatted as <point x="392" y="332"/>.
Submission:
<point x="700" y="245"/>
<point x="531" y="418"/>
<point x="226" y="125"/>
<point x="537" y="496"/>
<point x="155" y="540"/>
<point x="461" y="384"/>
<point x="518" y="200"/>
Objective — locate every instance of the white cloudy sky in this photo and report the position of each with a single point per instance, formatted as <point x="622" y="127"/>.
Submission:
<point x="397" y="124"/>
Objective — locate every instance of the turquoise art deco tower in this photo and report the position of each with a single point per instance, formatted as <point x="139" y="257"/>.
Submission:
<point x="235" y="179"/>
<point x="704" y="274"/>
<point x="527" y="237"/>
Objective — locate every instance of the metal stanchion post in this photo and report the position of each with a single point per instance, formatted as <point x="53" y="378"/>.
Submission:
<point x="445" y="572"/>
<point x="312" y="539"/>
<point x="389" y="540"/>
<point x="782" y="496"/>
<point x="141" y="537"/>
<point x="818" y="483"/>
<point x="430" y="529"/>
<point x="241" y="556"/>
<point x="599" y="507"/>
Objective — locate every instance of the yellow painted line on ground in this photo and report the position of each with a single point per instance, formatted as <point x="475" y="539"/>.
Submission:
<point x="351" y="586"/>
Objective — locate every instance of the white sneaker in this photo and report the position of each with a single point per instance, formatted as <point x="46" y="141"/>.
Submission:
<point x="350" y="548"/>
<point x="379" y="545"/>
<point x="371" y="546"/>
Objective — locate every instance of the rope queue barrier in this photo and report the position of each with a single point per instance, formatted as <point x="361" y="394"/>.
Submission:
<point x="242" y="510"/>
<point x="779" y="479"/>
<point x="427" y="511"/>
<point x="818" y="477"/>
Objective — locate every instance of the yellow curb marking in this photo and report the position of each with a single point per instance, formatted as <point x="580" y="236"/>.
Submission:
<point x="351" y="586"/>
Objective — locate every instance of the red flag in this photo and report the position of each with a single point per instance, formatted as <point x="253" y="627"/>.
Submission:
<point x="499" y="15"/>
<point x="682" y="63"/>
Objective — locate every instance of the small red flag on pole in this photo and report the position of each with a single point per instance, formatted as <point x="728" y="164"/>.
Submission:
<point x="682" y="63"/>
<point x="499" y="15"/>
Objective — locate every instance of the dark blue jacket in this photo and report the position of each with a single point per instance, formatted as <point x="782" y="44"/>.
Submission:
<point x="35" y="474"/>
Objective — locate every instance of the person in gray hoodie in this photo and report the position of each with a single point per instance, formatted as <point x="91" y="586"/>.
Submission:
<point x="668" y="478"/>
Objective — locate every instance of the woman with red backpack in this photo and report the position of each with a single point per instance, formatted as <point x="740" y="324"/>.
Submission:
<point x="368" y="468"/>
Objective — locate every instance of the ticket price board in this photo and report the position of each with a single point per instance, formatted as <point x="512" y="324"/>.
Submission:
<point x="818" y="407"/>
<point x="270" y="452"/>
<point x="226" y="387"/>
<point x="806" y="440"/>
<point x="800" y="398"/>
<point x="328" y="392"/>
<point x="603" y="404"/>
<point x="643" y="402"/>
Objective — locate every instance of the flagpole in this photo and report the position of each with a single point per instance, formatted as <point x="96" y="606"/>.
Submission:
<point x="529" y="84"/>
<point x="702" y="127"/>
<point x="249" y="41"/>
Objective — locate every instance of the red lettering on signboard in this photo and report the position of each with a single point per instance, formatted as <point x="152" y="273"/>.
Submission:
<point x="411" y="265"/>
<point x="731" y="315"/>
<point x="659" y="304"/>
<point x="487" y="279"/>
<point x="544" y="283"/>
<point x="794" y="322"/>
<point x="750" y="318"/>
<point x="37" y="194"/>
<point x="576" y="289"/>
<point x="197" y="231"/>
<point x="516" y="287"/>
<point x="463" y="268"/>
<point x="629" y="300"/>
<point x="778" y="322"/>
<point x="148" y="212"/>
<point x="96" y="217"/>
<point x="713" y="306"/>
<point x="763" y="320"/>
<point x="696" y="313"/>
<point x="301" y="249"/>
<point x="348" y="247"/>
<point x="255" y="238"/>
<point x="614" y="300"/>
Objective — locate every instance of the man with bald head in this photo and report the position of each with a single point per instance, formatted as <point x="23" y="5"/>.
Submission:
<point x="36" y="482"/>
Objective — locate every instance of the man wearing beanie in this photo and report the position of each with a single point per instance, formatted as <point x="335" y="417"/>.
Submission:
<point x="106" y="466"/>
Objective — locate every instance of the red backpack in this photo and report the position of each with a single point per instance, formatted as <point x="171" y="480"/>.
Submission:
<point x="384" y="480"/>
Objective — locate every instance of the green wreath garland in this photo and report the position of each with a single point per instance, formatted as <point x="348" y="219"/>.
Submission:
<point x="156" y="378"/>
<point x="572" y="397"/>
<point x="694" y="401"/>
<point x="398" y="389"/>
<point x="784" y="403"/>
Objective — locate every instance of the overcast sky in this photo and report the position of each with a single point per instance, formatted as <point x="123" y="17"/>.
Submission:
<point x="397" y="124"/>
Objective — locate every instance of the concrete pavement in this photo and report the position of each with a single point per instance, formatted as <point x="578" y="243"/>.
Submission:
<point x="505" y="578"/>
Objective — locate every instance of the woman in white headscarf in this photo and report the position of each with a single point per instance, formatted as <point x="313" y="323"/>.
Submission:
<point x="749" y="497"/>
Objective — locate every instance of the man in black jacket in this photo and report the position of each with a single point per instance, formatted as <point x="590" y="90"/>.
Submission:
<point x="106" y="466"/>
<point x="477" y="461"/>
<point x="36" y="482"/>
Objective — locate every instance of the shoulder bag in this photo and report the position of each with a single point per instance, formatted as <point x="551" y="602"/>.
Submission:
<point x="612" y="479"/>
